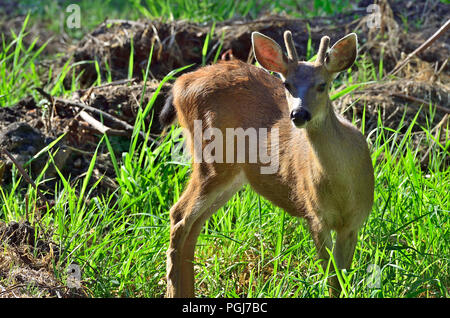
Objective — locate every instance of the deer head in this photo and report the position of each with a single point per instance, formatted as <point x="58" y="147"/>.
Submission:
<point x="306" y="83"/>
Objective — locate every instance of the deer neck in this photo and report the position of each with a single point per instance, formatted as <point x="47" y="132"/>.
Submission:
<point x="325" y="138"/>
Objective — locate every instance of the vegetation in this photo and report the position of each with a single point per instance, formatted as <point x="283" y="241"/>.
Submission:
<point x="249" y="248"/>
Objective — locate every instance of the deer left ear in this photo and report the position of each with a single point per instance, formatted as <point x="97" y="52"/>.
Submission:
<point x="269" y="54"/>
<point x="343" y="54"/>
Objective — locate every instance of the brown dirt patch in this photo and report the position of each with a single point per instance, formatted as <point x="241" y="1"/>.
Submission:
<point x="29" y="118"/>
<point x="26" y="264"/>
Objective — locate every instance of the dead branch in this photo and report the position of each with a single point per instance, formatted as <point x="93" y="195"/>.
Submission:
<point x="128" y="128"/>
<point x="421" y="48"/>
<point x="100" y="126"/>
<point x="418" y="100"/>
<point x="25" y="175"/>
<point x="115" y="83"/>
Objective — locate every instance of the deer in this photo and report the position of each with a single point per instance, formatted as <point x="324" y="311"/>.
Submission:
<point x="324" y="175"/>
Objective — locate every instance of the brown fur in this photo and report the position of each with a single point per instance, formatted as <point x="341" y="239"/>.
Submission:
<point x="325" y="173"/>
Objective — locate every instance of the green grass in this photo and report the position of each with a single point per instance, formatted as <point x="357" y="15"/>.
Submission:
<point x="249" y="248"/>
<point x="18" y="66"/>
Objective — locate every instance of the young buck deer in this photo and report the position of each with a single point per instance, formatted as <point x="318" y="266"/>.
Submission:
<point x="324" y="174"/>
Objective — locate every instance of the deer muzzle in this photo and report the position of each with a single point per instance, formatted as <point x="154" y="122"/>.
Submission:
<point x="300" y="116"/>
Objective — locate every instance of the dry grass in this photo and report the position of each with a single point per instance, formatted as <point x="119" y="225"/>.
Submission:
<point x="28" y="270"/>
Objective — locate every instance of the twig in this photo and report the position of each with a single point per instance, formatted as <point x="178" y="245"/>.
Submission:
<point x="25" y="175"/>
<point x="418" y="100"/>
<point x="45" y="94"/>
<point x="101" y="127"/>
<point x="95" y="110"/>
<point x="128" y="127"/>
<point x="442" y="67"/>
<point x="114" y="83"/>
<point x="124" y="124"/>
<point x="421" y="48"/>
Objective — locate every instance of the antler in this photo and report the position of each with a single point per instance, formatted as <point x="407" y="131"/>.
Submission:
<point x="290" y="47"/>
<point x="323" y="48"/>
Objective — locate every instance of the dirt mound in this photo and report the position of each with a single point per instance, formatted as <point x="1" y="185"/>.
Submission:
<point x="388" y="101"/>
<point x="180" y="43"/>
<point x="28" y="127"/>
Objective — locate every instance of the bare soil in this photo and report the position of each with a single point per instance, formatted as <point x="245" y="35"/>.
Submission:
<point x="26" y="264"/>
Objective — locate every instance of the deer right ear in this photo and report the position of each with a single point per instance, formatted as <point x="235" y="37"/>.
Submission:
<point x="343" y="54"/>
<point x="269" y="54"/>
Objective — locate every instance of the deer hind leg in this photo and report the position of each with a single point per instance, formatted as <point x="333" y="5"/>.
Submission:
<point x="202" y="197"/>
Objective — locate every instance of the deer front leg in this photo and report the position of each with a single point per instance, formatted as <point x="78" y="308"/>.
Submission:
<point x="343" y="254"/>
<point x="321" y="235"/>
<point x="345" y="247"/>
<point x="322" y="239"/>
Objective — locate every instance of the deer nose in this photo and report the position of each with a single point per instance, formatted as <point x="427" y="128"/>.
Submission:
<point x="300" y="116"/>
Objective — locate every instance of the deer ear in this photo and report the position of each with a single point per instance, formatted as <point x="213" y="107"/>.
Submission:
<point x="343" y="54"/>
<point x="269" y="54"/>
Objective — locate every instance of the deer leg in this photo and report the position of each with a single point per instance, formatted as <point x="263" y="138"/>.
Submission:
<point x="186" y="286"/>
<point x="182" y="215"/>
<point x="187" y="274"/>
<point x="323" y="241"/>
<point x="343" y="255"/>
<point x="200" y="200"/>
<point x="345" y="248"/>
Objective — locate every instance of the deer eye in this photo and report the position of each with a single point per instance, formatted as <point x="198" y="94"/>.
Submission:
<point x="321" y="87"/>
